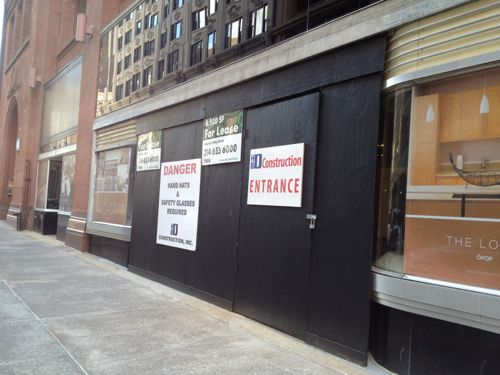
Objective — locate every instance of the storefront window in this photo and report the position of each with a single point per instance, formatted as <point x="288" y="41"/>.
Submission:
<point x="61" y="104"/>
<point x="439" y="213"/>
<point x="68" y="173"/>
<point x="110" y="198"/>
<point x="41" y="184"/>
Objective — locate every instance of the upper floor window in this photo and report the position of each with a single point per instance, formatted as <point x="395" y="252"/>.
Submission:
<point x="119" y="67"/>
<point x="172" y="61"/>
<point x="128" y="36"/>
<point x="136" y="81"/>
<point x="119" y="93"/>
<point x="147" y="76"/>
<point x="258" y="21"/>
<point x="150" y="21"/>
<point x="199" y="19"/>
<point x="163" y="40"/>
<point x="149" y="47"/>
<point x="128" y="87"/>
<point x="233" y="33"/>
<point x="177" y="4"/>
<point x="211" y="41"/>
<point x="196" y="53"/>
<point x="18" y="28"/>
<point x="120" y="42"/>
<point x="137" y="54"/>
<point x="212" y="6"/>
<point x="138" y="27"/>
<point x="176" y="30"/>
<point x="160" y="69"/>
<point x="127" y="61"/>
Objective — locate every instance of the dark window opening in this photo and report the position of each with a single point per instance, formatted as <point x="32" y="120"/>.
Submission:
<point x="196" y="53"/>
<point x="172" y="61"/>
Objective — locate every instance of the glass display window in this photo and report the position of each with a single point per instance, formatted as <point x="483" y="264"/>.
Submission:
<point x="67" y="176"/>
<point x="41" y="185"/>
<point x="111" y="189"/>
<point x="439" y="205"/>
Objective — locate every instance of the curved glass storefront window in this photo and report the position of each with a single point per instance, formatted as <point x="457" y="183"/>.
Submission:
<point x="439" y="213"/>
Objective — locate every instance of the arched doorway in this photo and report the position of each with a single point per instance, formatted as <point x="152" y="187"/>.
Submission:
<point x="9" y="157"/>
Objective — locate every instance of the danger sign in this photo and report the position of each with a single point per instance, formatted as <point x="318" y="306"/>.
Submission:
<point x="275" y="176"/>
<point x="179" y="204"/>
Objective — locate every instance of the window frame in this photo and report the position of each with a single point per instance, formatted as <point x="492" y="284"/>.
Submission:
<point x="229" y="32"/>
<point x="176" y="30"/>
<point x="196" y="55"/>
<point x="254" y="21"/>
<point x="211" y="51"/>
<point x="173" y="66"/>
<point x="199" y="19"/>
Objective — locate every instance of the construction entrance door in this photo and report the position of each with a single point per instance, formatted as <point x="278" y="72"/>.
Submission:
<point x="274" y="243"/>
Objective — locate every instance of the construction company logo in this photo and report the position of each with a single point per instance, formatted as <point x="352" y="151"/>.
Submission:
<point x="256" y="161"/>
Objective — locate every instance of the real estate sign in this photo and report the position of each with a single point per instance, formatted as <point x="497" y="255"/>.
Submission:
<point x="149" y="151"/>
<point x="222" y="138"/>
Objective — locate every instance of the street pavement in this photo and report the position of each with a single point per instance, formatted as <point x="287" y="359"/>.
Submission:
<point x="67" y="312"/>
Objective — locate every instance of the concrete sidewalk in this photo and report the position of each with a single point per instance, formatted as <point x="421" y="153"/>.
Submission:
<point x="64" y="312"/>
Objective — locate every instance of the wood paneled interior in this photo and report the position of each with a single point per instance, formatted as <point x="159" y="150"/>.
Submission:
<point x="483" y="208"/>
<point x="433" y="207"/>
<point x="479" y="208"/>
<point x="449" y="180"/>
<point x="457" y="119"/>
<point x="460" y="119"/>
<point x="424" y="136"/>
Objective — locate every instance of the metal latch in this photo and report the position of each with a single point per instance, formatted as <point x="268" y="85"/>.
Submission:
<point x="312" y="220"/>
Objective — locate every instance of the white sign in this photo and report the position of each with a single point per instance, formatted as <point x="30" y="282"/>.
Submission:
<point x="222" y="138"/>
<point x="179" y="204"/>
<point x="275" y="176"/>
<point x="149" y="151"/>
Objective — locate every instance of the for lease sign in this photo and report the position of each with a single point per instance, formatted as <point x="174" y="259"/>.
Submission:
<point x="149" y="151"/>
<point x="275" y="176"/>
<point x="222" y="138"/>
<point x="179" y="204"/>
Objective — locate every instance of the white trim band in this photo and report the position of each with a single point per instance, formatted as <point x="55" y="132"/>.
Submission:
<point x="455" y="218"/>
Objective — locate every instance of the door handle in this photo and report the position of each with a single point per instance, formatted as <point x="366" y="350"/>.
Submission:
<point x="312" y="220"/>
